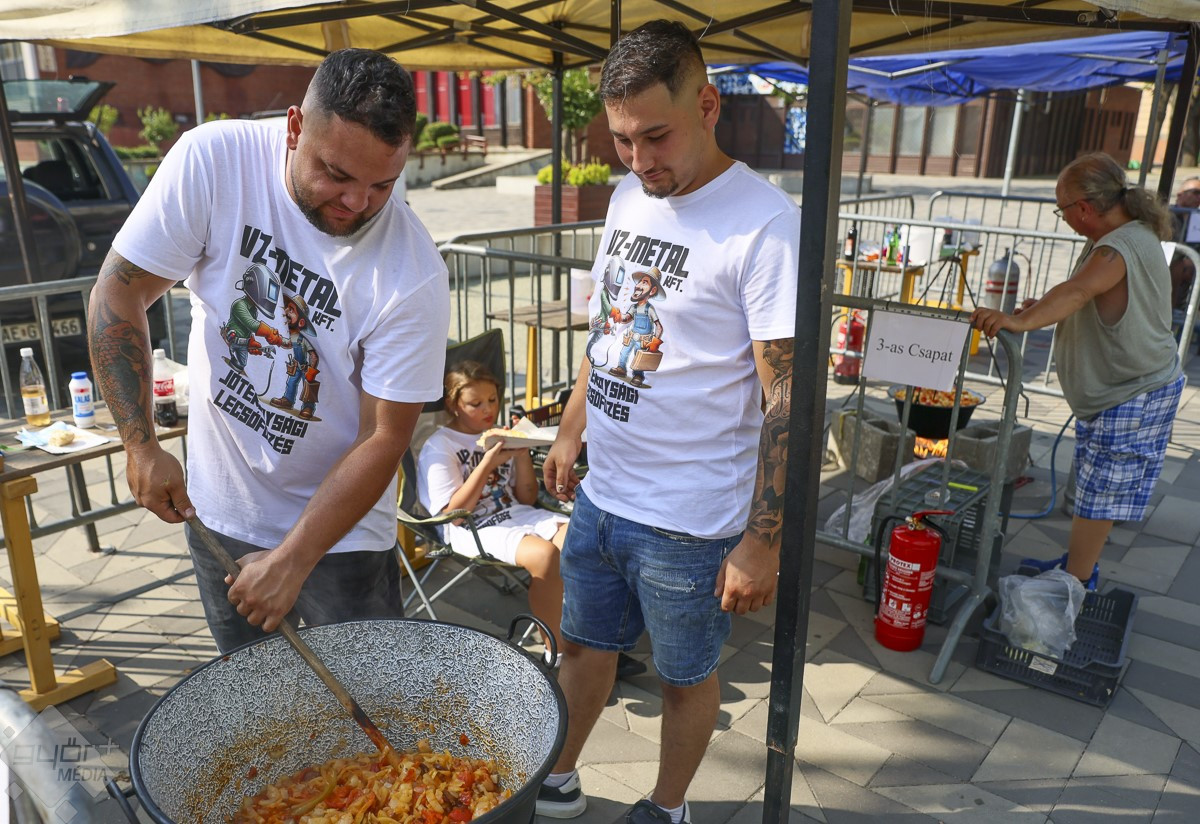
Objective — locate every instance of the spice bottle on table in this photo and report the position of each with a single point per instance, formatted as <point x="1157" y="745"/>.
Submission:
<point x="33" y="390"/>
<point x="165" y="411"/>
<point x="850" y="250"/>
<point x="83" y="410"/>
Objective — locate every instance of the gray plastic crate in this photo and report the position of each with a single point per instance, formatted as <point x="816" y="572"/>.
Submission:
<point x="1089" y="671"/>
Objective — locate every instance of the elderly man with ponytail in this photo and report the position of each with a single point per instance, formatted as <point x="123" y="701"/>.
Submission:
<point x="1114" y="352"/>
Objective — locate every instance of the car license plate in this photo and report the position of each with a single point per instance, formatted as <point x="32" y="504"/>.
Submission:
<point x="22" y="332"/>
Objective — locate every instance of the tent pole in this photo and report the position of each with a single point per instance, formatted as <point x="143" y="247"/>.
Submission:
<point x="614" y="25"/>
<point x="502" y="106"/>
<point x="829" y="58"/>
<point x="864" y="148"/>
<point x="1183" y="99"/>
<point x="1152" y="130"/>
<point x="556" y="142"/>
<point x="29" y="254"/>
<point x="16" y="194"/>
<point x="1014" y="134"/>
<point x="198" y="92"/>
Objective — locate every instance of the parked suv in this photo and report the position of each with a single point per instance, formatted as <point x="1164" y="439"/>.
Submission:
<point x="79" y="195"/>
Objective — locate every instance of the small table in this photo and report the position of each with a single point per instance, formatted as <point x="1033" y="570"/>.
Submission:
<point x="33" y="629"/>
<point x="552" y="315"/>
<point x="961" y="259"/>
<point x="908" y="274"/>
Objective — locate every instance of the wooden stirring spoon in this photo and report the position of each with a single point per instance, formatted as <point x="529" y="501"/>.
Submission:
<point x="306" y="652"/>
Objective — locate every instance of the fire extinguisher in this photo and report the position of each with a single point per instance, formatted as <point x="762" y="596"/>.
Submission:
<point x="851" y="330"/>
<point x="903" y="599"/>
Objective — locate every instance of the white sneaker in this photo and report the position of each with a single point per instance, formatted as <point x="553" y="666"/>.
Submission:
<point x="566" y="801"/>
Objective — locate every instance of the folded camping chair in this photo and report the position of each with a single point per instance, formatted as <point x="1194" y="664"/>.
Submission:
<point x="488" y="349"/>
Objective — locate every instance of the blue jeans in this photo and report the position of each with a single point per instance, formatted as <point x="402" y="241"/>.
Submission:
<point x="622" y="578"/>
<point x="343" y="586"/>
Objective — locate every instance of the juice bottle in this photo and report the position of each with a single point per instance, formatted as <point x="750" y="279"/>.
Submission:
<point x="33" y="390"/>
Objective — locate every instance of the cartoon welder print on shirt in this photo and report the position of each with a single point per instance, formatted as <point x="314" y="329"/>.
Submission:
<point x="636" y="330"/>
<point x="644" y="336"/>
<point x="302" y="362"/>
<point x="260" y="288"/>
<point x="601" y="324"/>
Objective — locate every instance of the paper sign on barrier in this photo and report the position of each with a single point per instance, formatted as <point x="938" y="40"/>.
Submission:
<point x="915" y="350"/>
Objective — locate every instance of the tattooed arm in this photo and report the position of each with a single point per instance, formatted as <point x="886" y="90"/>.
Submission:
<point x="1100" y="278"/>
<point x="119" y="339"/>
<point x="748" y="578"/>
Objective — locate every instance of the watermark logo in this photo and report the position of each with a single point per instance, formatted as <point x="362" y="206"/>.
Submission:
<point x="49" y="758"/>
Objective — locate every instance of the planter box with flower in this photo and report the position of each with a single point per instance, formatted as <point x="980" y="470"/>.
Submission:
<point x="585" y="193"/>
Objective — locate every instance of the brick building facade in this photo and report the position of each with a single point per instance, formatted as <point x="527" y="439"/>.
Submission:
<point x="227" y="88"/>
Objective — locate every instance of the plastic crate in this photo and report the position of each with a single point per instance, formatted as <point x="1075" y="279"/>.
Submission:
<point x="1091" y="668"/>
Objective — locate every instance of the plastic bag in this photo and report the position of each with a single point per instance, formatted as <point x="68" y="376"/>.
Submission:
<point x="1038" y="613"/>
<point x="864" y="505"/>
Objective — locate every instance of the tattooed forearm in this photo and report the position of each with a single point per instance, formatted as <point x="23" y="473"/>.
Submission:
<point x="120" y="359"/>
<point x="766" y="510"/>
<point x="117" y="267"/>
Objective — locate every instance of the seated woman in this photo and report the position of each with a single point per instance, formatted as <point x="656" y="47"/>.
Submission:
<point x="497" y="485"/>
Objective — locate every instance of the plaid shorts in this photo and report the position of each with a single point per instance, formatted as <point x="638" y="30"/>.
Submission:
<point x="1119" y="454"/>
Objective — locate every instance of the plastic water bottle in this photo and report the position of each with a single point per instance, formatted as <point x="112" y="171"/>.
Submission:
<point x="82" y="409"/>
<point x="165" y="411"/>
<point x="33" y="390"/>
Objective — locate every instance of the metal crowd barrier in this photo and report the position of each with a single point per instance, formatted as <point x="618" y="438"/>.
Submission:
<point x="986" y="529"/>
<point x="516" y="279"/>
<point x="992" y="209"/>
<point x="886" y="204"/>
<point x="61" y="321"/>
<point x="1045" y="259"/>
<point x="51" y="331"/>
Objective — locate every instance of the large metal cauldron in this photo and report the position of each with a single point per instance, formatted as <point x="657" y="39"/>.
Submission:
<point x="261" y="707"/>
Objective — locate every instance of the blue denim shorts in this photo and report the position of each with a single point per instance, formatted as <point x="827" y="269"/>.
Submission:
<point x="621" y="578"/>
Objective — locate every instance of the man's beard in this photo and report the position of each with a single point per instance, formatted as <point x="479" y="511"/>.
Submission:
<point x="313" y="213"/>
<point x="657" y="195"/>
<point x="669" y="183"/>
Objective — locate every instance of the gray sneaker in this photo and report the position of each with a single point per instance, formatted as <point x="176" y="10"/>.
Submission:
<point x="647" y="812"/>
<point x="566" y="801"/>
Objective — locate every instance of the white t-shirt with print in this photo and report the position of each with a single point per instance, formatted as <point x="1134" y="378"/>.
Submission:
<point x="378" y="315"/>
<point x="446" y="461"/>
<point x="674" y="444"/>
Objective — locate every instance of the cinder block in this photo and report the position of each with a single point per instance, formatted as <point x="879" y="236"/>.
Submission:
<point x="975" y="445"/>
<point x="877" y="447"/>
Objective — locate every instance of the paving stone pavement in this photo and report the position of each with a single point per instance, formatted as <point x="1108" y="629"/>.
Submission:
<point x="877" y="742"/>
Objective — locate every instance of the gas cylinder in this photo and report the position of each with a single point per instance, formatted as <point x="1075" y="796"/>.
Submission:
<point x="1003" y="279"/>
<point x="908" y="582"/>
<point x="851" y="330"/>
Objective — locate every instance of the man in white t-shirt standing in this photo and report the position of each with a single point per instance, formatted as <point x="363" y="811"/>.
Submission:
<point x="677" y="523"/>
<point x="251" y="214"/>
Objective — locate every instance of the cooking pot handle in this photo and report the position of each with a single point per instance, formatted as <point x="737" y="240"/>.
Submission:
<point x="543" y="661"/>
<point x="122" y="799"/>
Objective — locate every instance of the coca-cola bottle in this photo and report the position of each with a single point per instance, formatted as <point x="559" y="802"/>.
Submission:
<point x="165" y="411"/>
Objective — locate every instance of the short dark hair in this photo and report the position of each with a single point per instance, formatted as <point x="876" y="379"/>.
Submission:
<point x="659" y="51"/>
<point x="368" y="88"/>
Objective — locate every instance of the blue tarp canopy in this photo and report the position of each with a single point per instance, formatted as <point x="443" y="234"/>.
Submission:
<point x="952" y="77"/>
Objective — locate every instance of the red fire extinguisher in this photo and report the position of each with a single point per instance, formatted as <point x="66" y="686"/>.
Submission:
<point x="851" y="330"/>
<point x="903" y="600"/>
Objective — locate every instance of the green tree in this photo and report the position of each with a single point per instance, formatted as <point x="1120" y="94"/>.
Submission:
<point x="581" y="104"/>
<point x="158" y="126"/>
<point x="104" y="116"/>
